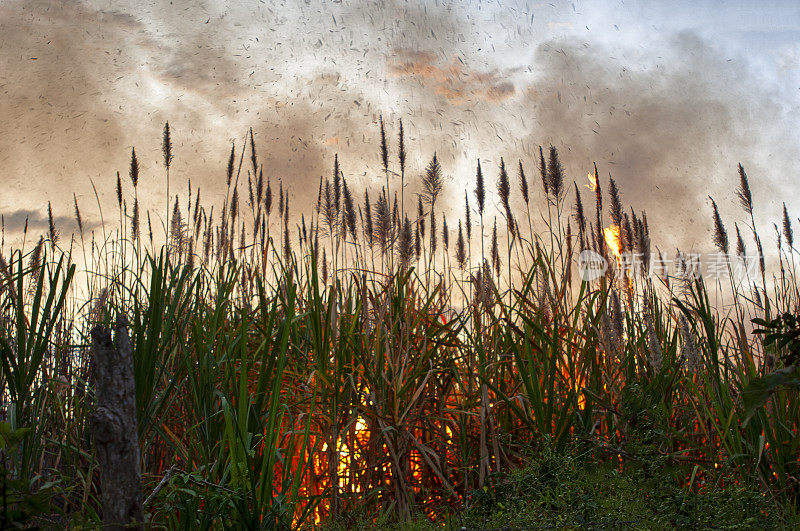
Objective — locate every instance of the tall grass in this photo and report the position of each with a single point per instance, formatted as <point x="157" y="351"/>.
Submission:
<point x="287" y="377"/>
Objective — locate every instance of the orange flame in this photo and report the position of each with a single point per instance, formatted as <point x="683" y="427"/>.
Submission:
<point x="592" y="182"/>
<point x="348" y="454"/>
<point x="613" y="239"/>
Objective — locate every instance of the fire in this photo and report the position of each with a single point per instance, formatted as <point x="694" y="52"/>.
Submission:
<point x="349" y="453"/>
<point x="592" y="182"/>
<point x="347" y="456"/>
<point x="577" y="384"/>
<point x="613" y="239"/>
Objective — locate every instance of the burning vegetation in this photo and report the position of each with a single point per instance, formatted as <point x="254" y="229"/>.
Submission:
<point x="294" y="368"/>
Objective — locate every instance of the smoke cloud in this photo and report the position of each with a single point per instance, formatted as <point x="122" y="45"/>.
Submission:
<point x="670" y="134"/>
<point x="669" y="118"/>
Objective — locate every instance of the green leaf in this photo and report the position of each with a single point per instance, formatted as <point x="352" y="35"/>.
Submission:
<point x="759" y="390"/>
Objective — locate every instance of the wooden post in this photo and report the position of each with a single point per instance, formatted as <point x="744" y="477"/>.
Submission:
<point x="115" y="430"/>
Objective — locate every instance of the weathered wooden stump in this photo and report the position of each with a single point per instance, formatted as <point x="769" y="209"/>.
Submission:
<point x="114" y="429"/>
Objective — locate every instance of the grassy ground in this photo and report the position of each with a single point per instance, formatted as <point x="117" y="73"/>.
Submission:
<point x="574" y="491"/>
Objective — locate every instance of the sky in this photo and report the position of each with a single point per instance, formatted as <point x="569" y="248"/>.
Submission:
<point x="667" y="97"/>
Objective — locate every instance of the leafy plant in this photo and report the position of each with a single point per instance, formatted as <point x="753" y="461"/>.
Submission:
<point x="21" y="503"/>
<point x="781" y="334"/>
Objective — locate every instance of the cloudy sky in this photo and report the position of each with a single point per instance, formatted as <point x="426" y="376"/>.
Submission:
<point x="665" y="96"/>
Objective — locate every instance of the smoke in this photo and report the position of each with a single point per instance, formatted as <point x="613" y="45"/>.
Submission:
<point x="455" y="82"/>
<point x="55" y="114"/>
<point x="37" y="222"/>
<point x="669" y="119"/>
<point x="670" y="132"/>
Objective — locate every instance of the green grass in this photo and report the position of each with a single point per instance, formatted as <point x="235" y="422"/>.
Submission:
<point x="572" y="490"/>
<point x="575" y="491"/>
